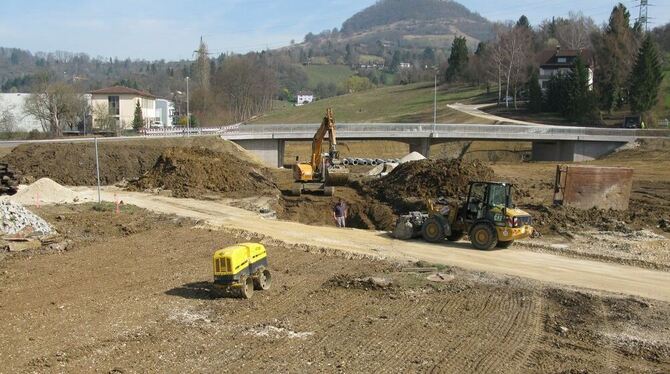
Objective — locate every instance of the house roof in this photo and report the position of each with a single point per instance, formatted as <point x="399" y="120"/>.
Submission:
<point x="121" y="90"/>
<point x="549" y="57"/>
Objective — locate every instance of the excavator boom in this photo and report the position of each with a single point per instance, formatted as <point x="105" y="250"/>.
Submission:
<point x="334" y="173"/>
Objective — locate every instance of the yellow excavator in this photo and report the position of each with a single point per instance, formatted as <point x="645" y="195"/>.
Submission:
<point x="324" y="171"/>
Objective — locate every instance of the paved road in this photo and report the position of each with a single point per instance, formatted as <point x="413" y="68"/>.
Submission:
<point x="476" y="111"/>
<point x="517" y="262"/>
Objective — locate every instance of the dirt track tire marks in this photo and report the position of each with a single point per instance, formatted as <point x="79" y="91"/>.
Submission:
<point x="497" y="337"/>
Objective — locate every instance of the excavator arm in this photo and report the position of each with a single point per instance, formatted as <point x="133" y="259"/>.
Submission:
<point x="327" y="127"/>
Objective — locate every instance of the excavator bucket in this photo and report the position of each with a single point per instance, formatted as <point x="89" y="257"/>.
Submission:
<point x="337" y="175"/>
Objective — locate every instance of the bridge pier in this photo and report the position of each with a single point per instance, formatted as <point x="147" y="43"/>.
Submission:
<point x="572" y="150"/>
<point x="270" y="151"/>
<point x="421" y="145"/>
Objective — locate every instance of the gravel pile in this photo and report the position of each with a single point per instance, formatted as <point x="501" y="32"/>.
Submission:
<point x="15" y="218"/>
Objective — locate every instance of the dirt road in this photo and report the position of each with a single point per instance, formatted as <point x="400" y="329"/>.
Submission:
<point x="517" y="262"/>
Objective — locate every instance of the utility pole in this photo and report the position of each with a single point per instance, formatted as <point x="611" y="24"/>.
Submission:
<point x="188" y="111"/>
<point x="643" y="18"/>
<point x="435" y="104"/>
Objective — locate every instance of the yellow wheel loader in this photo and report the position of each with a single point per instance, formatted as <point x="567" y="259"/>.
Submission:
<point x="487" y="216"/>
<point x="324" y="171"/>
<point x="240" y="269"/>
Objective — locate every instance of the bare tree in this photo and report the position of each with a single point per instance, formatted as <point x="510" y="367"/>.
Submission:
<point x="575" y="31"/>
<point x="103" y="120"/>
<point x="516" y="55"/>
<point x="7" y="120"/>
<point x="55" y="105"/>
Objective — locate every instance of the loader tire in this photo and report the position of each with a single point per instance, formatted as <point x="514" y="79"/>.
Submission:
<point x="432" y="231"/>
<point x="483" y="237"/>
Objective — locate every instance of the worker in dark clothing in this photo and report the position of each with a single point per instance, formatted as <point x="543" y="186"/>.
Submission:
<point x="340" y="213"/>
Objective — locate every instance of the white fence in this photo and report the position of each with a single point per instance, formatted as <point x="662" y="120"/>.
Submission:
<point x="177" y="131"/>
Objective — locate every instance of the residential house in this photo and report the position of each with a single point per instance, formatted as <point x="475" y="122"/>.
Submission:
<point x="304" y="97"/>
<point x="117" y="104"/>
<point x="405" y="65"/>
<point x="562" y="61"/>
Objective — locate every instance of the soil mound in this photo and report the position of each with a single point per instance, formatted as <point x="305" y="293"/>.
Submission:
<point x="73" y="164"/>
<point x="418" y="180"/>
<point x="194" y="172"/>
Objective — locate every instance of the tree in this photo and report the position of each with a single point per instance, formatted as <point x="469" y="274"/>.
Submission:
<point x="55" y="105"/>
<point x="523" y="22"/>
<point x="580" y="104"/>
<point x="138" y="121"/>
<point x="615" y="50"/>
<point x="458" y="59"/>
<point x="534" y="93"/>
<point x="645" y="79"/>
<point x="575" y="31"/>
<point x="514" y="56"/>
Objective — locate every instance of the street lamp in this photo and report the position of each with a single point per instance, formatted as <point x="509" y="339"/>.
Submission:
<point x="188" y="111"/>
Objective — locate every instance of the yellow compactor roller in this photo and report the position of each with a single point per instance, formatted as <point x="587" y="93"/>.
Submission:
<point x="324" y="171"/>
<point x="240" y="269"/>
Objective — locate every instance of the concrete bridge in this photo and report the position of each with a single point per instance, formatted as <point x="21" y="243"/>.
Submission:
<point x="550" y="143"/>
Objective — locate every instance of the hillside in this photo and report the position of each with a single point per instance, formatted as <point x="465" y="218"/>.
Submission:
<point x="408" y="25"/>
<point x="425" y="17"/>
<point x="397" y="104"/>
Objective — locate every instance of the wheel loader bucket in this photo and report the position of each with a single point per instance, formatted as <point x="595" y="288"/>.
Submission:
<point x="337" y="176"/>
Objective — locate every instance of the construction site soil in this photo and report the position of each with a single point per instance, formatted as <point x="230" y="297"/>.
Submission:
<point x="134" y="297"/>
<point x="200" y="172"/>
<point x="73" y="164"/>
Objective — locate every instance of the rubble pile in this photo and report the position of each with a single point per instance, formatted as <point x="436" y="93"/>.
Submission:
<point x="14" y="218"/>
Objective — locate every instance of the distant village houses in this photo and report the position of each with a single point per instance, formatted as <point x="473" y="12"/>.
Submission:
<point x="561" y="62"/>
<point x="304" y="97"/>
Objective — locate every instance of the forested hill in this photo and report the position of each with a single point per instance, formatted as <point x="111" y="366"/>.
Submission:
<point x="409" y="26"/>
<point x="387" y="12"/>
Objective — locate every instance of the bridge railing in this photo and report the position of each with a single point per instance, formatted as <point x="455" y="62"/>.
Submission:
<point x="438" y="129"/>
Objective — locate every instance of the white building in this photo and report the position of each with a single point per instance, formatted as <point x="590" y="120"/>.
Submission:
<point x="561" y="62"/>
<point x="165" y="111"/>
<point x="405" y="65"/>
<point x="304" y="97"/>
<point x="13" y="105"/>
<point x="119" y="102"/>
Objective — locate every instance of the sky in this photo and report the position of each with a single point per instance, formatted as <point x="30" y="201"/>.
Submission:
<point x="170" y="29"/>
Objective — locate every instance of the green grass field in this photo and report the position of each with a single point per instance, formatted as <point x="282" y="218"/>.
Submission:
<point x="327" y="74"/>
<point x="397" y="104"/>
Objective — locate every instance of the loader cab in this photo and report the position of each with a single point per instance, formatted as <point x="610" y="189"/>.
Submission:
<point x="484" y="197"/>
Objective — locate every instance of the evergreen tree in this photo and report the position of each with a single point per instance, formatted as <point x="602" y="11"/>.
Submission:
<point x="645" y="79"/>
<point x="534" y="93"/>
<point x="557" y="93"/>
<point x="615" y="51"/>
<point x="458" y="60"/>
<point x="580" y="103"/>
<point x="138" y="121"/>
<point x="523" y="22"/>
